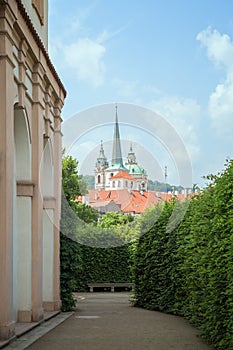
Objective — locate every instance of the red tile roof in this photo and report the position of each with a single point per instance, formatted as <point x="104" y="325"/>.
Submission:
<point x="130" y="201"/>
<point x="122" y="174"/>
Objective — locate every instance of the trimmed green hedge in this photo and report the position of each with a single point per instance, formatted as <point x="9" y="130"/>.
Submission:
<point x="156" y="266"/>
<point x="189" y="270"/>
<point x="104" y="265"/>
<point x="70" y="270"/>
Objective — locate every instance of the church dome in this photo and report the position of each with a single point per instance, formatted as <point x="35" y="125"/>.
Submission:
<point x="135" y="169"/>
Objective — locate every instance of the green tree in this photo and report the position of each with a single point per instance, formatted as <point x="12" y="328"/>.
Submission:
<point x="70" y="251"/>
<point x="73" y="184"/>
<point x="114" y="219"/>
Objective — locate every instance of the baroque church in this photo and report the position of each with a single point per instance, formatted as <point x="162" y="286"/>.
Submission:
<point x="122" y="187"/>
<point x="117" y="175"/>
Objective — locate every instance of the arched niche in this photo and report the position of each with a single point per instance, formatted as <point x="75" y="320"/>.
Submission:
<point x="48" y="169"/>
<point x="22" y="145"/>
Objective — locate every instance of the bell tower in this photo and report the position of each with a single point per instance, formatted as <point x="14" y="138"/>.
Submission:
<point x="100" y="167"/>
<point x="131" y="158"/>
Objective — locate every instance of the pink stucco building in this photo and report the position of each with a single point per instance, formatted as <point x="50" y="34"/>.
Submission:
<point x="31" y="99"/>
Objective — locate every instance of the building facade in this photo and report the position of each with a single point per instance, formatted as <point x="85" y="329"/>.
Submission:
<point x="118" y="175"/>
<point x="31" y="100"/>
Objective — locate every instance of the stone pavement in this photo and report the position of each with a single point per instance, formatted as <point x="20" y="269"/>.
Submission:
<point x="105" y="321"/>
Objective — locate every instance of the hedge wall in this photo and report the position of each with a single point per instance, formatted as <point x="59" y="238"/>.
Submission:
<point x="104" y="265"/>
<point x="70" y="270"/>
<point x="156" y="266"/>
<point x="189" y="270"/>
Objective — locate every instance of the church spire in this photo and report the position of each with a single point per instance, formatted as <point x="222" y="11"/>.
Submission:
<point x="116" y="151"/>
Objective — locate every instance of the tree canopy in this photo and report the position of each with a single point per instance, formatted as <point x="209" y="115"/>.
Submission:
<point x="73" y="184"/>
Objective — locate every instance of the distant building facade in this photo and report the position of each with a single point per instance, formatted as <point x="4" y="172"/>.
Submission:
<point x="123" y="187"/>
<point x="31" y="100"/>
<point x="117" y="175"/>
<point x="128" y="202"/>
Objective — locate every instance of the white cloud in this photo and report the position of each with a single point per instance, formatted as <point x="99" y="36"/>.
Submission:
<point x="85" y="57"/>
<point x="184" y="115"/>
<point x="220" y="106"/>
<point x="219" y="47"/>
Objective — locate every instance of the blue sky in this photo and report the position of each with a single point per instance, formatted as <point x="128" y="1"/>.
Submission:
<point x="172" y="57"/>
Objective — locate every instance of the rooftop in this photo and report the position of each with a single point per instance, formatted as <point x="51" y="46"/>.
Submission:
<point x="122" y="174"/>
<point x="134" y="202"/>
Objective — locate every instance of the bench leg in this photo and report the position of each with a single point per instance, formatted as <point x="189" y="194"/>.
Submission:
<point x="112" y="289"/>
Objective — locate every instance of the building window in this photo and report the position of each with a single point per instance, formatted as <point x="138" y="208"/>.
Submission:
<point x="119" y="183"/>
<point x="113" y="184"/>
<point x="98" y="179"/>
<point x="126" y="183"/>
<point x="131" y="184"/>
<point x="39" y="7"/>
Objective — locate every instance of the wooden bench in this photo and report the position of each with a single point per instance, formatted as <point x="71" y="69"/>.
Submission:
<point x="91" y="286"/>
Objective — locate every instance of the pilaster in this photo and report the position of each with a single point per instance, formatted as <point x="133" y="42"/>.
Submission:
<point x="7" y="174"/>
<point x="57" y="147"/>
<point x="22" y="72"/>
<point x="37" y="201"/>
<point x="48" y="96"/>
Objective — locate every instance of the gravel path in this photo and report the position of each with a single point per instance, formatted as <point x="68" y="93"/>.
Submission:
<point x="107" y="321"/>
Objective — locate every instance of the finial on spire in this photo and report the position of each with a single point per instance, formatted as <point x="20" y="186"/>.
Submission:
<point x="101" y="146"/>
<point x="116" y="110"/>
